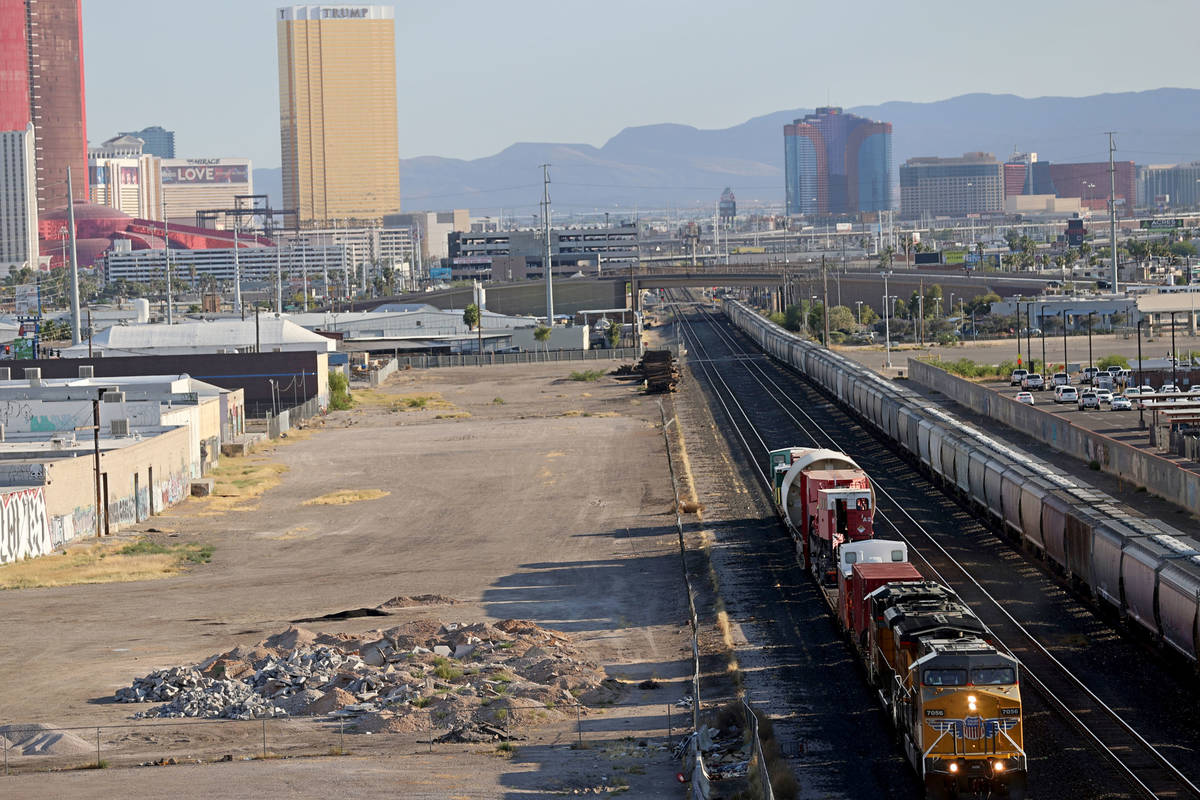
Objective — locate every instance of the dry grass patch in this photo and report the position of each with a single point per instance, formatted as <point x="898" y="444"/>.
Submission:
<point x="104" y="562"/>
<point x="390" y="401"/>
<point x="344" y="497"/>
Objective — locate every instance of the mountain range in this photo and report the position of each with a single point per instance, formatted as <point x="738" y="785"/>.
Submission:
<point x="685" y="168"/>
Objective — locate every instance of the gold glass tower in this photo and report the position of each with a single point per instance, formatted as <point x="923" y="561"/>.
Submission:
<point x="337" y="112"/>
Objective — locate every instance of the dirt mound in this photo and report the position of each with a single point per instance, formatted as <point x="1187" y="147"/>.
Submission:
<point x="37" y="739"/>
<point x="290" y="639"/>
<point x="404" y="601"/>
<point x="329" y="702"/>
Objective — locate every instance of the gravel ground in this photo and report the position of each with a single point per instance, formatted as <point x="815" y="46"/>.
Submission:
<point x="549" y="502"/>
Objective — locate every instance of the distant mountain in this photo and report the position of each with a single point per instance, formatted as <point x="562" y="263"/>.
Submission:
<point x="668" y="165"/>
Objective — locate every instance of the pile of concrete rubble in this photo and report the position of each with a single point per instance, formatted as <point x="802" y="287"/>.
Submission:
<point x="417" y="676"/>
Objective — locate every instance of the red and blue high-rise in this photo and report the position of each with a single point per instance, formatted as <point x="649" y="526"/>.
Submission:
<point x="41" y="81"/>
<point x="837" y="164"/>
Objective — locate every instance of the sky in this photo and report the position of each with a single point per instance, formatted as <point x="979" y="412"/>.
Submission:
<point x="474" y="77"/>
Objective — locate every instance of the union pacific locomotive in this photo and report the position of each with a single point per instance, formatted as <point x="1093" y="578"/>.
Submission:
<point x="954" y="699"/>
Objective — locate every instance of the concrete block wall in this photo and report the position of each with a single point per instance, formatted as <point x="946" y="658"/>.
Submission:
<point x="24" y="528"/>
<point x="1159" y="475"/>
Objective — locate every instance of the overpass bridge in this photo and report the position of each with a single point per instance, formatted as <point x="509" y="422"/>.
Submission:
<point x="789" y="282"/>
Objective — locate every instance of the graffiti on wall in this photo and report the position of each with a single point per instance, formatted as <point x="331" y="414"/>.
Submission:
<point x="24" y="531"/>
<point x="80" y="522"/>
<point x="171" y="491"/>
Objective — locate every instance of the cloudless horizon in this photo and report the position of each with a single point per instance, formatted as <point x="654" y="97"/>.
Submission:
<point x="474" y="78"/>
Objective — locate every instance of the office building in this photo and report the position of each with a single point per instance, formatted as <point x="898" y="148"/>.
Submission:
<point x="156" y="140"/>
<point x="18" y="200"/>
<point x="337" y="113"/>
<point x="1089" y="182"/>
<point x="837" y="164"/>
<point x="951" y="187"/>
<point x="1164" y="186"/>
<point x="520" y="254"/>
<point x="433" y="228"/>
<point x="41" y="81"/>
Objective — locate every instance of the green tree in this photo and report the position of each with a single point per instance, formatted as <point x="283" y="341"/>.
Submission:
<point x="471" y="316"/>
<point x="869" y="317"/>
<point x="932" y="295"/>
<point x="613" y="333"/>
<point x="542" y="334"/>
<point x="793" y="317"/>
<point x="816" y="319"/>
<point x="841" y="318"/>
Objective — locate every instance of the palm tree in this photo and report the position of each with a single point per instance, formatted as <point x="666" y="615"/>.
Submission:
<point x="542" y="334"/>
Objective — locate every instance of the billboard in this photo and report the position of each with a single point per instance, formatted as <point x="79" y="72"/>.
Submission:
<point x="204" y="171"/>
<point x="927" y="258"/>
<point x="1160" y="224"/>
<point x="129" y="176"/>
<point x="98" y="175"/>
<point x="26" y="299"/>
<point x="439" y="273"/>
<point x="953" y="256"/>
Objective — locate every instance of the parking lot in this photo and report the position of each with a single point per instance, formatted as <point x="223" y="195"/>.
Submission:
<point x="1124" y="425"/>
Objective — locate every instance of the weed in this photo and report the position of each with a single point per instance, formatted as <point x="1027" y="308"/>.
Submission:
<point x="445" y="670"/>
<point x="590" y="375"/>
<point x="197" y="554"/>
<point x="422" y="702"/>
<point x="144" y="547"/>
<point x="497" y="401"/>
<point x="506" y="748"/>
<point x="417" y="402"/>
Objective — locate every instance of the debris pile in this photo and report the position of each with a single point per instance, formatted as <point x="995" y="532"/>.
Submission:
<point x="474" y="680"/>
<point x="658" y="368"/>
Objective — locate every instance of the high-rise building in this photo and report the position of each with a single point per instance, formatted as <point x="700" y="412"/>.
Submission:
<point x="954" y="187"/>
<point x="837" y="164"/>
<point x="18" y="200"/>
<point x="156" y="141"/>
<point x="337" y="112"/>
<point x="50" y="43"/>
<point x="1169" y="185"/>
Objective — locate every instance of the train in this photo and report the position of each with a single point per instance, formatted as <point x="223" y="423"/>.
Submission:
<point x="953" y="697"/>
<point x="1140" y="569"/>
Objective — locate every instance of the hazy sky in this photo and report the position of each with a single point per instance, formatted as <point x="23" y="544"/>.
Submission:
<point x="474" y="77"/>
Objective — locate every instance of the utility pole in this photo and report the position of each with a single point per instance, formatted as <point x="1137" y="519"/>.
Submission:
<point x="825" y="301"/>
<point x="546" y="228"/>
<point x="278" y="277"/>
<point x="167" y="261"/>
<point x="74" y="261"/>
<point x="1112" y="207"/>
<point x="304" y="269"/>
<point x="237" y="271"/>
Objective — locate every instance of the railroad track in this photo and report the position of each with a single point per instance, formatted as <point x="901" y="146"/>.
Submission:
<point x="760" y="401"/>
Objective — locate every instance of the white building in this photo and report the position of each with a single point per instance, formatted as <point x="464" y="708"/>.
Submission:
<point x="18" y="200"/>
<point x="255" y="263"/>
<point x="269" y="334"/>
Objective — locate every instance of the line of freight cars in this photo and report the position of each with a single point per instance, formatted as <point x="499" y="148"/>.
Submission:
<point x="953" y="698"/>
<point x="1142" y="567"/>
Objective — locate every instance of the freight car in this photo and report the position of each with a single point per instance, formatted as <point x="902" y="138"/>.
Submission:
<point x="1146" y="570"/>
<point x="952" y="696"/>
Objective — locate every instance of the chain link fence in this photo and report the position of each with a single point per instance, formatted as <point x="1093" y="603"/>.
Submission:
<point x="527" y="357"/>
<point x="694" y="769"/>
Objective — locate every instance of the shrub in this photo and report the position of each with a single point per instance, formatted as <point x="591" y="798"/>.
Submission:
<point x="339" y="392"/>
<point x="590" y="375"/>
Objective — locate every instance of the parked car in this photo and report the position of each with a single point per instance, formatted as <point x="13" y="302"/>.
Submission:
<point x="1169" y="388"/>
<point x="1017" y="376"/>
<point x="1088" y="374"/>
<point x="1103" y="380"/>
<point x="1104" y="396"/>
<point x="1060" y="379"/>
<point x="1147" y="388"/>
<point x="1120" y="403"/>
<point x="1065" y="394"/>
<point x="1025" y="397"/>
<point x="1114" y="370"/>
<point x="1033" y="381"/>
<point x="1124" y="377"/>
<point x="1088" y="400"/>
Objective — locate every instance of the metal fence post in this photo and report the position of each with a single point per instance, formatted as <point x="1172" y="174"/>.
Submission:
<point x="264" y="736"/>
<point x="5" y="740"/>
<point x="342" y="735"/>
<point x="97" y="748"/>
<point x="670" y="730"/>
<point x="579" y="723"/>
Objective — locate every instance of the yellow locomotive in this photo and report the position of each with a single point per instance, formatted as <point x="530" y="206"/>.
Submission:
<point x="954" y="698"/>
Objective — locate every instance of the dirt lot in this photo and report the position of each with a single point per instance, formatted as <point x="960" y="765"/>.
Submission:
<point x="513" y="491"/>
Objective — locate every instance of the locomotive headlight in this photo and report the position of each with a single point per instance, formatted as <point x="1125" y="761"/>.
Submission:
<point x="954" y="766"/>
<point x="971" y="702"/>
<point x="997" y="766"/>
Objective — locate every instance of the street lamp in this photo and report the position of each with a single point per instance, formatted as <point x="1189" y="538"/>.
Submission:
<point x="1174" y="354"/>
<point x="887" y="327"/>
<point x="1141" y="383"/>
<point x="1091" y="363"/>
<point x="858" y="305"/>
